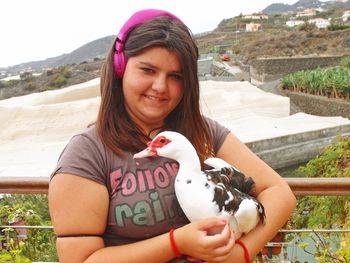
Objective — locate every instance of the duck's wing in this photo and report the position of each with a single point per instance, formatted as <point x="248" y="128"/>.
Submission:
<point x="231" y="187"/>
<point x="259" y="207"/>
<point x="232" y="178"/>
<point x="222" y="195"/>
<point x="216" y="163"/>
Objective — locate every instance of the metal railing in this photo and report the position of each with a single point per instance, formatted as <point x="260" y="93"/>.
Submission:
<point x="299" y="186"/>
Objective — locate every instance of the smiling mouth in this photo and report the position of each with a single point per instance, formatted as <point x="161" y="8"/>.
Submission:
<point x="155" y="99"/>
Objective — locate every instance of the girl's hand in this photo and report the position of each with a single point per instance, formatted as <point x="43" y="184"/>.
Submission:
<point x="197" y="241"/>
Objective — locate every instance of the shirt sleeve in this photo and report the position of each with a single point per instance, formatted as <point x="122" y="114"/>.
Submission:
<point x="82" y="157"/>
<point x="218" y="133"/>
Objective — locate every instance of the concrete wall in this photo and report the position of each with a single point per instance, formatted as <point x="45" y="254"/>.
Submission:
<point x="319" y="105"/>
<point x="205" y="66"/>
<point x="208" y="70"/>
<point x="297" y="148"/>
<point x="217" y="78"/>
<point x="268" y="69"/>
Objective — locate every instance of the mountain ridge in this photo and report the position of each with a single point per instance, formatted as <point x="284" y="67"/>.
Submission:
<point x="96" y="48"/>
<point x="301" y="5"/>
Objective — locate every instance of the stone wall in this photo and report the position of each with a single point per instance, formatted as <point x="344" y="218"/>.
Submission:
<point x="208" y="70"/>
<point x="205" y="66"/>
<point x="319" y="105"/>
<point x="268" y="69"/>
<point x="294" y="149"/>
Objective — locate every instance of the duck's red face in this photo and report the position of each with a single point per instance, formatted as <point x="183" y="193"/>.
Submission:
<point x="159" y="142"/>
<point x="152" y="147"/>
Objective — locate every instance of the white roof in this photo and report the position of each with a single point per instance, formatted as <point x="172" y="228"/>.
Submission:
<point x="35" y="128"/>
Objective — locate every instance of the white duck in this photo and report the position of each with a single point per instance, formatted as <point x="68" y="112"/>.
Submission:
<point x="222" y="192"/>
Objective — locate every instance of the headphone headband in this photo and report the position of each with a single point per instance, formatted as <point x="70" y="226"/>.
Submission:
<point x="135" y="20"/>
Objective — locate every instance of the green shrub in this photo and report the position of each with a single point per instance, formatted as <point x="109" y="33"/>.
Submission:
<point x="14" y="253"/>
<point x="345" y="62"/>
<point x="39" y="244"/>
<point x="65" y="71"/>
<point x="334" y="27"/>
<point x="30" y="86"/>
<point x="329" y="212"/>
<point x="58" y="80"/>
<point x="49" y="72"/>
<point x="26" y="76"/>
<point x="307" y="27"/>
<point x="9" y="83"/>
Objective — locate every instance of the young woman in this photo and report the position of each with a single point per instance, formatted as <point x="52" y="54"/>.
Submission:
<point x="105" y="207"/>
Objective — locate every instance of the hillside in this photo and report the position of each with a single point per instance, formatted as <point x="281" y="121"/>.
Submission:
<point x="249" y="46"/>
<point x="274" y="39"/>
<point x="276" y="8"/>
<point x="94" y="49"/>
<point x="56" y="78"/>
<point x="244" y="46"/>
<point x="279" y="8"/>
<point x="301" y="4"/>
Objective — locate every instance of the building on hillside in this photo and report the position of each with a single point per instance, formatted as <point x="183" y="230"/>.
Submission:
<point x="319" y="22"/>
<point x="252" y="27"/>
<point x="346" y="15"/>
<point x="287" y="13"/>
<point x="256" y="17"/>
<point x="320" y="9"/>
<point x="293" y="23"/>
<point x="306" y="13"/>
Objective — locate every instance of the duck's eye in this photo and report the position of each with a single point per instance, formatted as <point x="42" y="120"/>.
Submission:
<point x="161" y="141"/>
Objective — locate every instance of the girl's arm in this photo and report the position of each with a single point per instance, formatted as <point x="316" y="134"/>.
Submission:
<point x="271" y="189"/>
<point x="79" y="206"/>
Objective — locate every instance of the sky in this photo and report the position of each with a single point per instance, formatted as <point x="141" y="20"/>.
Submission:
<point x="34" y="30"/>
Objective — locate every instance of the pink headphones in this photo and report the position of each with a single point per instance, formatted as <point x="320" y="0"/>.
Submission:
<point x="135" y="20"/>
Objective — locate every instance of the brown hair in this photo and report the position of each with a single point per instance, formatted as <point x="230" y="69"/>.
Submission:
<point x="115" y="127"/>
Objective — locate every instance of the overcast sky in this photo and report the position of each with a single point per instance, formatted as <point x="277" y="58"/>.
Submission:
<point x="38" y="29"/>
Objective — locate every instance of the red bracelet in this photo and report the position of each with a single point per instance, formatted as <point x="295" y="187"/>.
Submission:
<point x="173" y="244"/>
<point x="246" y="253"/>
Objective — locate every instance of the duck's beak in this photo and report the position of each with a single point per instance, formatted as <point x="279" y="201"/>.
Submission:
<point x="148" y="152"/>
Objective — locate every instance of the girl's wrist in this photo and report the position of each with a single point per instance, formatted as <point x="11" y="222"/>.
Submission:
<point x="245" y="249"/>
<point x="173" y="243"/>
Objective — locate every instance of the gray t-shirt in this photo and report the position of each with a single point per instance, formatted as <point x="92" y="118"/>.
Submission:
<point x="142" y="201"/>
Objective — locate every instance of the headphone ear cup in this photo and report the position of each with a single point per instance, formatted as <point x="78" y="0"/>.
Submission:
<point x="119" y="64"/>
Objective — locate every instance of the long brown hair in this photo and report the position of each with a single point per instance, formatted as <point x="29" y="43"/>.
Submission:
<point x="115" y="127"/>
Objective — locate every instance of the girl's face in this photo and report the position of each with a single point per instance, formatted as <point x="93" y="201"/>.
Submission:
<point x="152" y="87"/>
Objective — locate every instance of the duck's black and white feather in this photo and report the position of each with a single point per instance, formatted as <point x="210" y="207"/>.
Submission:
<point x="220" y="192"/>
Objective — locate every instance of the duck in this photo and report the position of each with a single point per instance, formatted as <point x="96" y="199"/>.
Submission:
<point x="222" y="191"/>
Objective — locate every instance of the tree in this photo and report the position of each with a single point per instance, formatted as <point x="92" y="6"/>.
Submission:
<point x="26" y="76"/>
